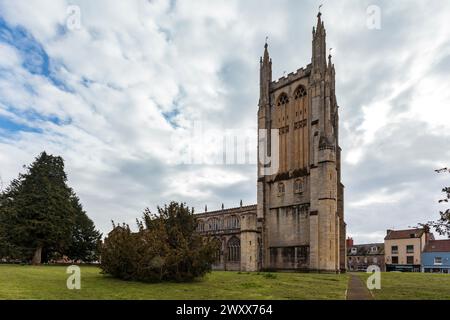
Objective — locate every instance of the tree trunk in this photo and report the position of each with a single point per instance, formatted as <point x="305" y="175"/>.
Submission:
<point x="37" y="256"/>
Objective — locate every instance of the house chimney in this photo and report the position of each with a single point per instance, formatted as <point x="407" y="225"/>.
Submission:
<point x="349" y="242"/>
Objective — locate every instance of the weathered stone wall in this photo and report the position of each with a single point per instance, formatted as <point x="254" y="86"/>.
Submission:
<point x="298" y="222"/>
<point x="303" y="107"/>
<point x="236" y="223"/>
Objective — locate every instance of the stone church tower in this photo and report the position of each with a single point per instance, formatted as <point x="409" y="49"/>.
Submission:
<point x="298" y="221"/>
<point x="300" y="194"/>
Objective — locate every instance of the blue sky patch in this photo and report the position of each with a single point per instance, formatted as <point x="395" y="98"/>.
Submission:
<point x="35" y="58"/>
<point x="170" y="117"/>
<point x="7" y="127"/>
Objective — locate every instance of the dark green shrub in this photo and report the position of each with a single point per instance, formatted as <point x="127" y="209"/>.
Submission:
<point x="166" y="248"/>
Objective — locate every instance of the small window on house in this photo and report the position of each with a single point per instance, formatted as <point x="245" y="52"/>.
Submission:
<point x="410" y="249"/>
<point x="394" y="249"/>
<point x="438" y="260"/>
<point x="410" y="260"/>
<point x="374" y="249"/>
<point x="354" y="250"/>
<point x="394" y="260"/>
<point x="375" y="260"/>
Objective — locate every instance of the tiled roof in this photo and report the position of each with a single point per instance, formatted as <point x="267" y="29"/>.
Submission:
<point x="404" y="234"/>
<point x="366" y="249"/>
<point x="438" y="246"/>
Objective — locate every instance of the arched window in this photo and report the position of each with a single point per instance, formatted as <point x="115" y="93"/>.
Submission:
<point x="214" y="224"/>
<point x="281" y="187"/>
<point x="233" y="222"/>
<point x="300" y="92"/>
<point x="218" y="253"/>
<point x="209" y="224"/>
<point x="201" y="226"/>
<point x="298" y="186"/>
<point x="234" y="249"/>
<point x="283" y="100"/>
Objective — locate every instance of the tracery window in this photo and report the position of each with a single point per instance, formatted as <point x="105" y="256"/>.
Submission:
<point x="214" y="224"/>
<point x="234" y="249"/>
<point x="233" y="222"/>
<point x="300" y="93"/>
<point x="283" y="100"/>
<point x="201" y="226"/>
<point x="218" y="252"/>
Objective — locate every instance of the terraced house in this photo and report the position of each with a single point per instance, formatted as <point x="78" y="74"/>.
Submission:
<point x="436" y="256"/>
<point x="298" y="221"/>
<point x="403" y="249"/>
<point x="361" y="256"/>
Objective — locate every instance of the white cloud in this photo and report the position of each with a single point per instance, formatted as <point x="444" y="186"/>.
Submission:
<point x="137" y="67"/>
<point x="384" y="196"/>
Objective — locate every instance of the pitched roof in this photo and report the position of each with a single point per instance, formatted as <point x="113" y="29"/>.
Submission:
<point x="404" y="234"/>
<point x="366" y="249"/>
<point x="438" y="246"/>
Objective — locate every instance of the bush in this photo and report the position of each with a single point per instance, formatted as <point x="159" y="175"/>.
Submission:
<point x="166" y="248"/>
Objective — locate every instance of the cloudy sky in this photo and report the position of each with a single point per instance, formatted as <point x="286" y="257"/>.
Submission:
<point x="115" y="87"/>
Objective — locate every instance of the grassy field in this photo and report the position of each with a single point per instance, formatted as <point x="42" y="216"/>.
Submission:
<point x="412" y="286"/>
<point x="49" y="282"/>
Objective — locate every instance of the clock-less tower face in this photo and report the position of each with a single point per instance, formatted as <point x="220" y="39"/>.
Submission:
<point x="290" y="115"/>
<point x="301" y="205"/>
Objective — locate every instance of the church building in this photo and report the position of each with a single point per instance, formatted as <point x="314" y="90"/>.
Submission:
<point x="298" y="221"/>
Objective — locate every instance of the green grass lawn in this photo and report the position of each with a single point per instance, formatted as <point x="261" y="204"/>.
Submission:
<point x="412" y="286"/>
<point x="49" y="282"/>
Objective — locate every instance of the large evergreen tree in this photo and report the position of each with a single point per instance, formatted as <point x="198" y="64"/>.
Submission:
<point x="40" y="213"/>
<point x="85" y="239"/>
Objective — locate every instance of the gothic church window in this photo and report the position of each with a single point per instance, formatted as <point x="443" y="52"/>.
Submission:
<point x="214" y="224"/>
<point x="298" y="186"/>
<point x="201" y="226"/>
<point x="233" y="222"/>
<point x="300" y="92"/>
<point x="234" y="249"/>
<point x="218" y="252"/>
<point x="281" y="188"/>
<point x="288" y="255"/>
<point x="283" y="100"/>
<point x="302" y="254"/>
